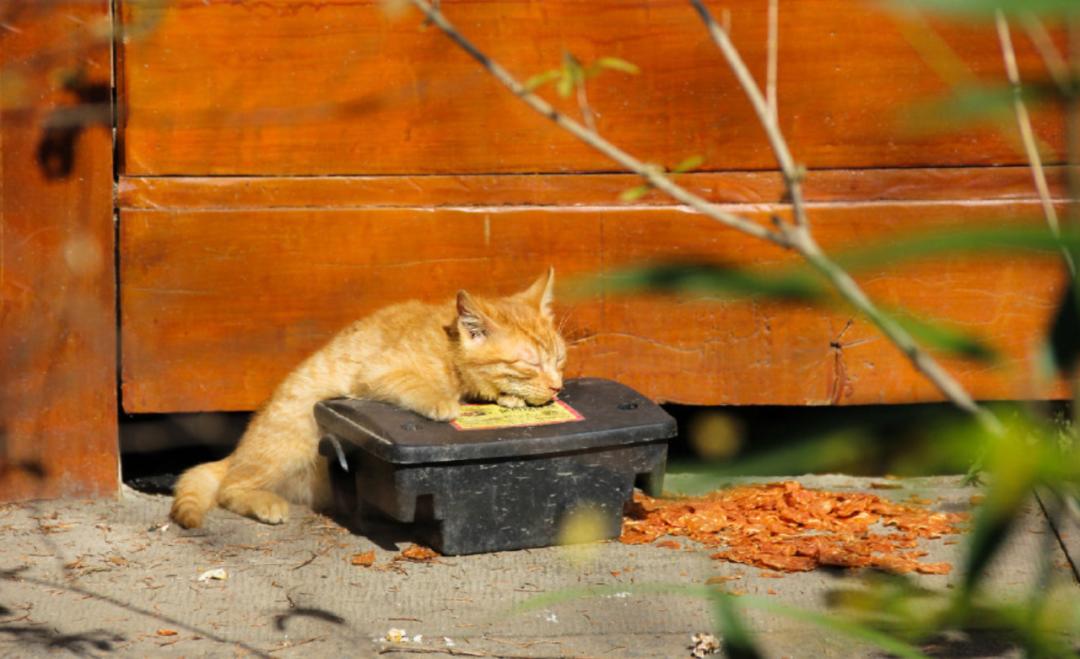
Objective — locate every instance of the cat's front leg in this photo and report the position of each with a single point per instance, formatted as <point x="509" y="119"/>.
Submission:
<point x="506" y="400"/>
<point x="441" y="410"/>
<point x="408" y="390"/>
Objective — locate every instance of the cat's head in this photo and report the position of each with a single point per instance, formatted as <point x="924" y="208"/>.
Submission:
<point x="510" y="345"/>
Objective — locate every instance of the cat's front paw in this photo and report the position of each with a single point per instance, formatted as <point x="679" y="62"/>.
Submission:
<point x="507" y="400"/>
<point x="446" y="410"/>
<point x="270" y="508"/>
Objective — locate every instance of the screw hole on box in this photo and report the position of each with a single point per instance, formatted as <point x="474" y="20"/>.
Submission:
<point x="632" y="405"/>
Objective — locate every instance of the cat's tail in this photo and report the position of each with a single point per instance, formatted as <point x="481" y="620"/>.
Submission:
<point x="196" y="492"/>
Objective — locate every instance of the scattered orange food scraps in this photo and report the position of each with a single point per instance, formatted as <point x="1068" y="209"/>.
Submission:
<point x="418" y="554"/>
<point x="364" y="559"/>
<point x="166" y="632"/>
<point x="786" y="527"/>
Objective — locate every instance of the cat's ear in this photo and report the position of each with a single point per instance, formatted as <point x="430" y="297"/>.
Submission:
<point x="473" y="327"/>
<point x="541" y="293"/>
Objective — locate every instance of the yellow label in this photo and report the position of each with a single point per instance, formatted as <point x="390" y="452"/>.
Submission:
<point x="485" y="417"/>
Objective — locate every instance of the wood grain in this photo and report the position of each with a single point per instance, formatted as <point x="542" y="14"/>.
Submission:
<point x="58" y="408"/>
<point x="218" y="305"/>
<point x="275" y="87"/>
<point x="221" y="192"/>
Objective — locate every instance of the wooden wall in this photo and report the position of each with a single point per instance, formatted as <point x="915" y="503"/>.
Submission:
<point x="287" y="166"/>
<point x="58" y="355"/>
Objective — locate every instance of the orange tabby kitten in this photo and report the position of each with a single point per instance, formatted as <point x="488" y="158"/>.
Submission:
<point x="423" y="357"/>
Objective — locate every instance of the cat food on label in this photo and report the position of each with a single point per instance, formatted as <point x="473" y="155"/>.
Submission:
<point x="488" y="416"/>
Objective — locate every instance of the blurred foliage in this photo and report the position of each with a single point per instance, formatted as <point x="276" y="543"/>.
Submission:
<point x="708" y="279"/>
<point x="1035" y="457"/>
<point x="975" y="103"/>
<point x="987" y="8"/>
<point x="1064" y="340"/>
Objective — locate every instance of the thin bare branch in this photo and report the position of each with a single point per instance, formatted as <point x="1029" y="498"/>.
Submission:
<point x="796" y="237"/>
<point x="1027" y="133"/>
<point x="803" y="242"/>
<point x="790" y="171"/>
<point x="805" y="245"/>
<point x="936" y="53"/>
<point x="771" y="62"/>
<point x="652" y="174"/>
<point x="1056" y="66"/>
<point x="587" y="114"/>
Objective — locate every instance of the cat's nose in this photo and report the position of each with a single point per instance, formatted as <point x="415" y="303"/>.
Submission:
<point x="554" y="389"/>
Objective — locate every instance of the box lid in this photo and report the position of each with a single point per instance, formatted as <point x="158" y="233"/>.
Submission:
<point x="610" y="414"/>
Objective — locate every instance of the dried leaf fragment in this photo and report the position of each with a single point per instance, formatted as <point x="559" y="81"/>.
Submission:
<point x="418" y="554"/>
<point x="364" y="559"/>
<point x="703" y="644"/>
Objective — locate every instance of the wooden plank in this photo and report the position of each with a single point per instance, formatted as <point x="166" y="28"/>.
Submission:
<point x="280" y="87"/>
<point x="58" y="409"/>
<point x="218" y="305"/>
<point x="192" y="192"/>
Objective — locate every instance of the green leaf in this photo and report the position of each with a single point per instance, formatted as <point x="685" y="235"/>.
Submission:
<point x="635" y="193"/>
<point x="714" y="279"/>
<point x="967" y="105"/>
<point x="986" y="8"/>
<point x="572" y="75"/>
<point x="565" y="85"/>
<point x="541" y="79"/>
<point x="692" y="162"/>
<point x="617" y="64"/>
<point x="969" y="240"/>
<point x="1064" y="338"/>
<point x="1015" y="461"/>
<point x="946" y="338"/>
<point x="738" y="641"/>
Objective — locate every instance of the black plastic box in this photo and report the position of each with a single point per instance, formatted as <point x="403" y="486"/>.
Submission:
<point x="471" y="491"/>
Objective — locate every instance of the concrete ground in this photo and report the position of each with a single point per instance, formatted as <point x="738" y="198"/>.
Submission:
<point x="105" y="578"/>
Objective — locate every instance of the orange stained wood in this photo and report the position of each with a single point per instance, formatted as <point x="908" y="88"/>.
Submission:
<point x="58" y="410"/>
<point x="218" y="305"/>
<point x="599" y="190"/>
<point x="284" y="87"/>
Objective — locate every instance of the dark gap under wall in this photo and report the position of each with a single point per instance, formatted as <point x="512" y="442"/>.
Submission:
<point x="868" y="440"/>
<point x="156" y="448"/>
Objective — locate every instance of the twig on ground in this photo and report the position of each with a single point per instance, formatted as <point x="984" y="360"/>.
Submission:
<point x="392" y="649"/>
<point x="796" y="236"/>
<point x="309" y="561"/>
